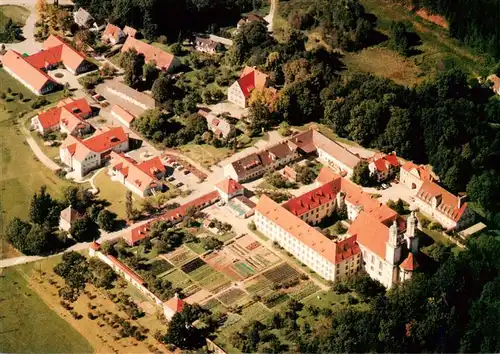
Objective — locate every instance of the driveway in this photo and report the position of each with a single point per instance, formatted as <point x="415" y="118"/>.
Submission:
<point x="29" y="45"/>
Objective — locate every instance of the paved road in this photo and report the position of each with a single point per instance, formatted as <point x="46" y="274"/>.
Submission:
<point x="29" y="45"/>
<point x="270" y="17"/>
<point x="41" y="156"/>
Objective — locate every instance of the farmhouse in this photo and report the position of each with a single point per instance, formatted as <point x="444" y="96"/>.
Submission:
<point x="83" y="18"/>
<point x="219" y="126"/>
<point x="113" y="34"/>
<point x="68" y="117"/>
<point x="383" y="166"/>
<point x="142" y="178"/>
<point x="449" y="210"/>
<point x="250" y="79"/>
<point x="376" y="235"/>
<point x="83" y="156"/>
<point x="257" y="164"/>
<point x="163" y="60"/>
<point x="31" y="70"/>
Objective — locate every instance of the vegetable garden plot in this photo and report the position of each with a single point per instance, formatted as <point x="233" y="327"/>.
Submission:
<point x="191" y="266"/>
<point x="178" y="279"/>
<point x="230" y="296"/>
<point x="159" y="266"/>
<point x="304" y="290"/>
<point x="281" y="273"/>
<point x="243" y="269"/>
<point x="180" y="256"/>
<point x="255" y="312"/>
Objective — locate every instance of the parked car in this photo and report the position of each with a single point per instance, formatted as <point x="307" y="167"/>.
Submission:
<point x="186" y="172"/>
<point x="180" y="184"/>
<point x="180" y="168"/>
<point x="171" y="178"/>
<point x="384" y="186"/>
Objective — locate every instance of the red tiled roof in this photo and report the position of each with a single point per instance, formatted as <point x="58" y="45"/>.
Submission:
<point x="447" y="203"/>
<point x="95" y="246"/>
<point x="129" y="31"/>
<point x="175" y="304"/>
<point x="126" y="269"/>
<point x="422" y="171"/>
<point x="326" y="175"/>
<point x="382" y="162"/>
<point x="107" y="140"/>
<point x="229" y="186"/>
<point x="20" y="66"/>
<point x="370" y="233"/>
<point x="312" y="199"/>
<point x="122" y="113"/>
<point x="306" y="234"/>
<point x="71" y="58"/>
<point x="112" y="31"/>
<point x="410" y="263"/>
<point x="52" y="117"/>
<point x="142" y="175"/>
<point x="250" y="79"/>
<point x="162" y="59"/>
<point x="175" y="215"/>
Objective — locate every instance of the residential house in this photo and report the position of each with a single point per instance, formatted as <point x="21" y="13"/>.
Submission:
<point x="249" y="19"/>
<point x="257" y="164"/>
<point x="206" y="45"/>
<point x="250" y="79"/>
<point x="113" y="35"/>
<point x="83" y="156"/>
<point x="83" y="18"/>
<point x="377" y="239"/>
<point x="329" y="152"/>
<point x="412" y="176"/>
<point x="229" y="188"/>
<point x="383" y="166"/>
<point x="143" y="178"/>
<point x="221" y="40"/>
<point x="173" y="306"/>
<point x="67" y="218"/>
<point x="34" y="78"/>
<point x="129" y="31"/>
<point x="141" y="100"/>
<point x="290" y="173"/>
<point x="495" y="81"/>
<point x="449" y="210"/>
<point x="125" y="117"/>
<point x="173" y="216"/>
<point x="163" y="60"/>
<point x="219" y="126"/>
<point x="68" y="117"/>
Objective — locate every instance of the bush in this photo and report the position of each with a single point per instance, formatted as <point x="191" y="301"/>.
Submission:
<point x="434" y="225"/>
<point x="425" y="223"/>
<point x="251" y="226"/>
<point x="39" y="102"/>
<point x="341" y="288"/>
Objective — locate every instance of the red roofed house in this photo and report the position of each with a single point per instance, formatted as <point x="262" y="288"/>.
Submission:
<point x="163" y="60"/>
<point x="383" y="166"/>
<point x="129" y="31"/>
<point x="68" y="117"/>
<point x="250" y="79"/>
<point x="31" y="70"/>
<point x="142" y="178"/>
<point x="449" y="210"/>
<point x="113" y="34"/>
<point x="86" y="155"/>
<point x="229" y="188"/>
<point x="173" y="306"/>
<point x="124" y="116"/>
<point x="412" y="176"/>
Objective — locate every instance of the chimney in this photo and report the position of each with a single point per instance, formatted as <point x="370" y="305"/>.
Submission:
<point x="462" y="197"/>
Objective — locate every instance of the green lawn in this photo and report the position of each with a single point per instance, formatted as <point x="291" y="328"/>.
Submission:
<point x="29" y="325"/>
<point x="21" y="173"/>
<point x="205" y="155"/>
<point x="18" y="14"/>
<point x="114" y="193"/>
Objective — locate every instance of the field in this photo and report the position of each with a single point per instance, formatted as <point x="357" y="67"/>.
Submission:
<point x="17" y="185"/>
<point x="28" y="324"/>
<point x="438" y="50"/>
<point x="18" y="14"/>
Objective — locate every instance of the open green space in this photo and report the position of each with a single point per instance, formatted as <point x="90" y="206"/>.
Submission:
<point x="438" y="51"/>
<point x="17" y="13"/>
<point x="205" y="155"/>
<point x="114" y="193"/>
<point x="29" y="325"/>
<point x="21" y="174"/>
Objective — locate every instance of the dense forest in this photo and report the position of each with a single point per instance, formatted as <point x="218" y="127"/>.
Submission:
<point x="473" y="22"/>
<point x="172" y="18"/>
<point x="456" y="309"/>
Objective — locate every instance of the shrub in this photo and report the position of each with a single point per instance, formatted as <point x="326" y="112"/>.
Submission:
<point x="434" y="225"/>
<point x="39" y="102"/>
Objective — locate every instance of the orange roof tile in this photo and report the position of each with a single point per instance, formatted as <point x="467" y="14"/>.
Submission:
<point x="162" y="59"/>
<point x="112" y="31"/>
<point x="306" y="234"/>
<point x="312" y="199"/>
<point x="250" y="79"/>
<point x="129" y="31"/>
<point x="326" y="175"/>
<point x="19" y="65"/>
<point x="71" y="58"/>
<point x="71" y="110"/>
<point x="122" y="113"/>
<point x="125" y="269"/>
<point x="410" y="263"/>
<point x="422" y="172"/>
<point x="447" y="203"/>
<point x="141" y="175"/>
<point x="370" y="233"/>
<point x="105" y="141"/>
<point x="175" y="304"/>
<point x="229" y="186"/>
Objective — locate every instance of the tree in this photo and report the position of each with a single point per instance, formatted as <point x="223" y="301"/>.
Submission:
<point x="106" y="220"/>
<point x="84" y="230"/>
<point x="44" y="209"/>
<point x="83" y="39"/>
<point x="260" y="118"/>
<point x="132" y="62"/>
<point x="485" y="189"/>
<point x="210" y="243"/>
<point x="78" y="197"/>
<point x="101" y="275"/>
<point x="361" y="174"/>
<point x="162" y="88"/>
<point x="129" y="206"/>
<point x="150" y="73"/>
<point x="74" y="269"/>
<point x="176" y="49"/>
<point x="17" y="233"/>
<point x="284" y="129"/>
<point x="41" y="8"/>
<point x="399" y="38"/>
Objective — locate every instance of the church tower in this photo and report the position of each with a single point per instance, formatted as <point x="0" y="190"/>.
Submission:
<point x="392" y="247"/>
<point x="411" y="233"/>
